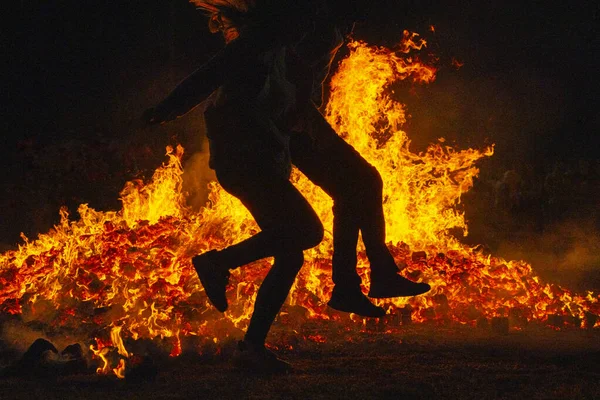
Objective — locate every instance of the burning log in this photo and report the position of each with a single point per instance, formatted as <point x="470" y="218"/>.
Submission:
<point x="419" y="256"/>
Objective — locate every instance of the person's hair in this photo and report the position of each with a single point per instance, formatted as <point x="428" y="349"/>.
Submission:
<point x="226" y="16"/>
<point x="231" y="17"/>
<point x="215" y="6"/>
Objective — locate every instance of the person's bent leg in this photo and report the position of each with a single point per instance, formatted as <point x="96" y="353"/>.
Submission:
<point x="314" y="159"/>
<point x="319" y="160"/>
<point x="251" y="354"/>
<point x="355" y="185"/>
<point x="357" y="190"/>
<point x="347" y="295"/>
<point x="289" y="225"/>
<point x="367" y="203"/>
<point x="272" y="294"/>
<point x="287" y="221"/>
<point x="345" y="238"/>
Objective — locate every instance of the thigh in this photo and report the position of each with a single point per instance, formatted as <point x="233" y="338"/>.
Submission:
<point x="329" y="161"/>
<point x="273" y="201"/>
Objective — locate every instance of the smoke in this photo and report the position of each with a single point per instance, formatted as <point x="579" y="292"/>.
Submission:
<point x="536" y="198"/>
<point x="567" y="253"/>
<point x="518" y="111"/>
<point x="36" y="322"/>
<point x="18" y="335"/>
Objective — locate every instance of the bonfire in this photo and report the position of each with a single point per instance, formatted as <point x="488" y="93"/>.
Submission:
<point x="127" y="274"/>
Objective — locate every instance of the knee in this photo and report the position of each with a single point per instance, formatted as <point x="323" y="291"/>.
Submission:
<point x="317" y="235"/>
<point x="311" y="234"/>
<point x="301" y="233"/>
<point x="373" y="183"/>
<point x="366" y="190"/>
<point x="364" y="183"/>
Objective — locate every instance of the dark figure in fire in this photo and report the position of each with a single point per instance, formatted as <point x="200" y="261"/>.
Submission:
<point x="335" y="166"/>
<point x="259" y="117"/>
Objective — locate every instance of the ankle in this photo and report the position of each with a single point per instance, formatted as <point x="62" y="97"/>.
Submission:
<point x="252" y="344"/>
<point x="383" y="263"/>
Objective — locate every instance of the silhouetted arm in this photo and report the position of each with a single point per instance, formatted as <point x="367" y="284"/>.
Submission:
<point x="235" y="58"/>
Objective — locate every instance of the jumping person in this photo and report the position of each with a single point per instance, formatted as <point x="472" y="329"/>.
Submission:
<point x="354" y="185"/>
<point x="252" y="134"/>
<point x="248" y="119"/>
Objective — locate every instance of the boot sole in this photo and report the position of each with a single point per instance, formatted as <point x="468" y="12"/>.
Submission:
<point x="399" y="293"/>
<point x="340" y="307"/>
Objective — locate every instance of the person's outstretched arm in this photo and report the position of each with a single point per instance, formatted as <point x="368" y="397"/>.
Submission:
<point x="232" y="60"/>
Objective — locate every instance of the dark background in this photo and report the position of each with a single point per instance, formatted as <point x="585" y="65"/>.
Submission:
<point x="79" y="74"/>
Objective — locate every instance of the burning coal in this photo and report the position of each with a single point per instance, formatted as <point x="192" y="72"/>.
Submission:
<point x="128" y="273"/>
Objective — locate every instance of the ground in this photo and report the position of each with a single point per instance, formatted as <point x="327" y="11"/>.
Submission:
<point x="416" y="362"/>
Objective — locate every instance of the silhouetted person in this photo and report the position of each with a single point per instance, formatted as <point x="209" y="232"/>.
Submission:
<point x="247" y="118"/>
<point x="268" y="76"/>
<point x="355" y="185"/>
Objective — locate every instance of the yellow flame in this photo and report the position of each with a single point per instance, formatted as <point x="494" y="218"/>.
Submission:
<point x="132" y="269"/>
<point x="115" y="336"/>
<point x="119" y="371"/>
<point x="101" y="353"/>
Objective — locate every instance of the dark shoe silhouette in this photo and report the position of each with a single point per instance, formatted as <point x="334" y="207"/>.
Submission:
<point x="258" y="359"/>
<point x="213" y="277"/>
<point x="354" y="301"/>
<point x="391" y="284"/>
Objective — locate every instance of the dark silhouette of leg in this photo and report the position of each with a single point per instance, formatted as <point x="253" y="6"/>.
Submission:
<point x="286" y="219"/>
<point x="345" y="237"/>
<point x="356" y="188"/>
<point x="272" y="294"/>
<point x="324" y="167"/>
<point x="347" y="295"/>
<point x="288" y="225"/>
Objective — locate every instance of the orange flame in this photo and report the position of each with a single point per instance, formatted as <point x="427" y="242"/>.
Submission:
<point x="132" y="269"/>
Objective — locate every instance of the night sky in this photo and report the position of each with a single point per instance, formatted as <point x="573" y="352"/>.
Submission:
<point x="80" y="73"/>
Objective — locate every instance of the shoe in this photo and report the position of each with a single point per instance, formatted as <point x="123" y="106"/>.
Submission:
<point x="213" y="277"/>
<point x="395" y="285"/>
<point x="258" y="359"/>
<point x="354" y="301"/>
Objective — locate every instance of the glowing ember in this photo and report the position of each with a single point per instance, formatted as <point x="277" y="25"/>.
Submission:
<point x="129" y="273"/>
